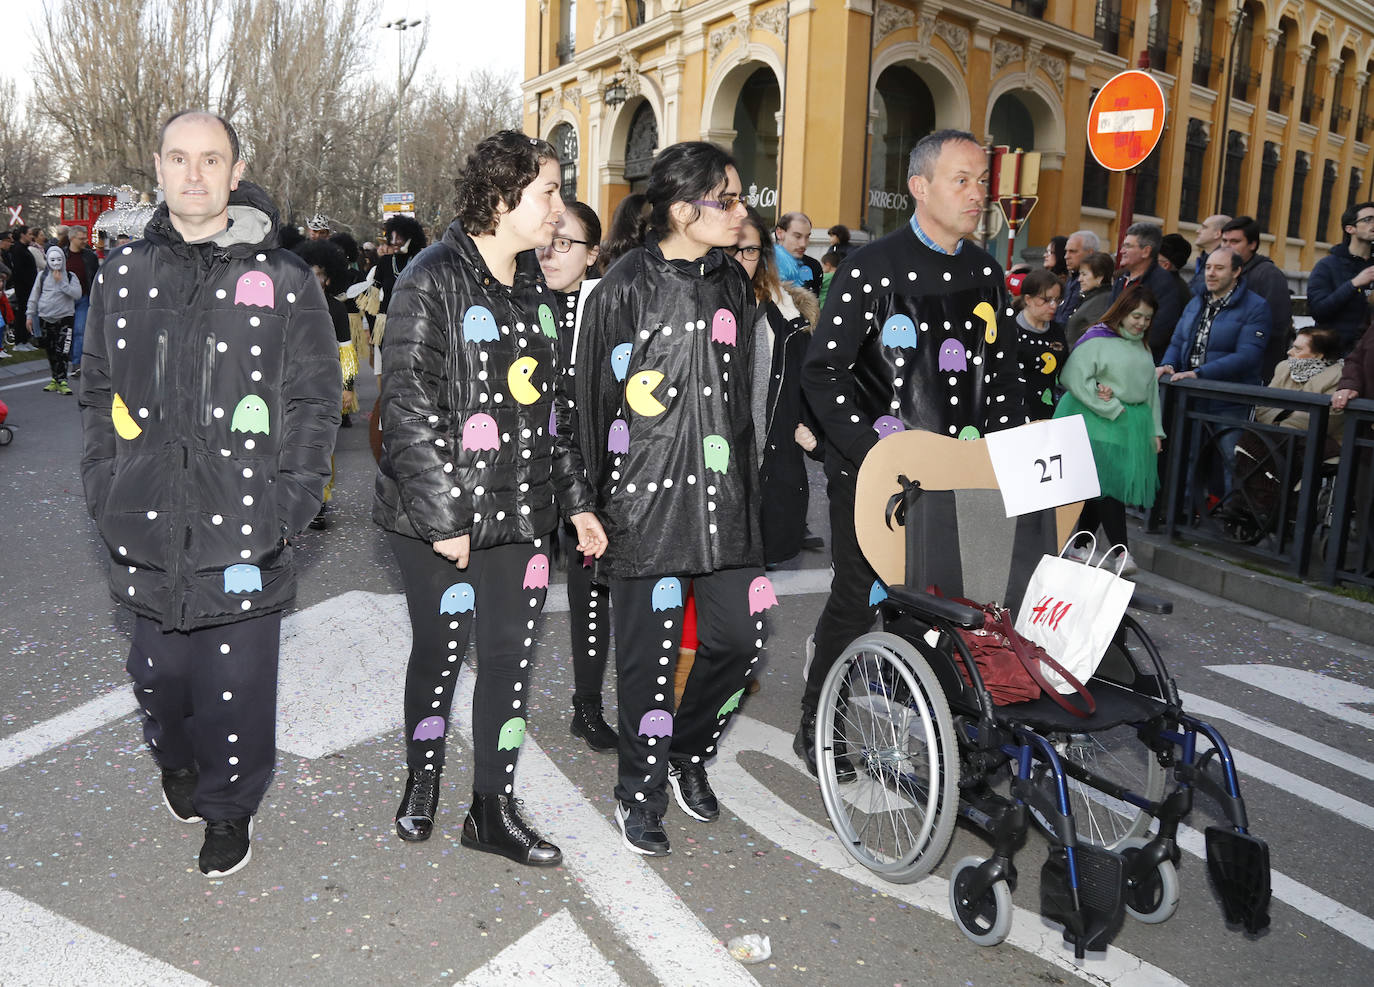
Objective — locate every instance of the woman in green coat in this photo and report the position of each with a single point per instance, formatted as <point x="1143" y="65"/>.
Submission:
<point x="1110" y="380"/>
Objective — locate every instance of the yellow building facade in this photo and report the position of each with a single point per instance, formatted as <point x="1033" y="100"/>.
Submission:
<point x="821" y="100"/>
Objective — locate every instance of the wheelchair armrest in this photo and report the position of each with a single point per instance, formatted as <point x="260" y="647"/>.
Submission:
<point x="936" y="607"/>
<point x="1149" y="603"/>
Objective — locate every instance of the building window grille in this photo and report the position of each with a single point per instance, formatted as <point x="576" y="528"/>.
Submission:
<point x="1301" y="165"/>
<point x="1109" y="27"/>
<point x="1330" y="174"/>
<point x="1279" y="91"/>
<point x="1269" y="166"/>
<point x="564" y="141"/>
<point x="1190" y="182"/>
<point x="1353" y="192"/>
<point x="1095" y="181"/>
<point x="1202" y="55"/>
<point x="567" y="31"/>
<point x="1230" y="185"/>
<point x="1031" y="8"/>
<point x="640" y="147"/>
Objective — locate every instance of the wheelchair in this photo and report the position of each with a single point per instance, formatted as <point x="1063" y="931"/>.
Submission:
<point x="920" y="748"/>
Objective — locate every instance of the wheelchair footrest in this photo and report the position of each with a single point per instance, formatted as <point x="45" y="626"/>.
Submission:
<point x="1238" y="864"/>
<point x="1096" y="917"/>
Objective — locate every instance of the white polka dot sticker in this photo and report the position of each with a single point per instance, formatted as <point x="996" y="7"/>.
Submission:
<point x="248" y="443"/>
<point x="222" y="347"/>
<point x="152" y="515"/>
<point x="911" y="275"/>
<point x="247" y="500"/>
<point x="255" y="321"/>
<point x="291" y="296"/>
<point x="152" y="292"/>
<point x="142" y="412"/>
<point x="948" y="276"/>
<point x="247" y="529"/>
<point x="128" y="250"/>
<point x="221" y="294"/>
<point x="219" y="412"/>
<point x="245" y="554"/>
<point x="123" y="550"/>
<point x="227" y="696"/>
<point x="255" y="349"/>
<point x="247" y="473"/>
<point x="217" y="519"/>
<point x="123" y="292"/>
<point x="256" y="375"/>
<point x="120" y="342"/>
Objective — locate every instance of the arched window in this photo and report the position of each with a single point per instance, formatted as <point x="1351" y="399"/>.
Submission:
<point x="564" y="141"/>
<point x="906" y="113"/>
<point x="1269" y="168"/>
<point x="640" y="147"/>
<point x="1330" y="173"/>
<point x="1302" y="163"/>
<point x="1190" y="182"/>
<point x="1230" y="185"/>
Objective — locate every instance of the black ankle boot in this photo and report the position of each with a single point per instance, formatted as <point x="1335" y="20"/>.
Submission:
<point x="804" y="744"/>
<point x="494" y="825"/>
<point x="591" y="726"/>
<point x="415" y="817"/>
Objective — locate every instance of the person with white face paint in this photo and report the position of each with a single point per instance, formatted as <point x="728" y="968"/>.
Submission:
<point x="53" y="303"/>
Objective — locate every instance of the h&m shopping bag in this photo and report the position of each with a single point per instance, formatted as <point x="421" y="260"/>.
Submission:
<point x="1072" y="610"/>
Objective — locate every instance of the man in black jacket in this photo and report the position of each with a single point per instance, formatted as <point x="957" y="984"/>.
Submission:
<point x="83" y="262"/>
<point x="23" y="274"/>
<point x="1262" y="276"/>
<point x="1338" y="290"/>
<point x="210" y="403"/>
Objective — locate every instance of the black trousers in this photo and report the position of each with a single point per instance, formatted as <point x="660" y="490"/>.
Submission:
<point x="209" y="701"/>
<point x="731" y="631"/>
<point x="1108" y="512"/>
<point x="57" y="340"/>
<point x="589" y="604"/>
<point x="847" y="612"/>
<point x="500" y="595"/>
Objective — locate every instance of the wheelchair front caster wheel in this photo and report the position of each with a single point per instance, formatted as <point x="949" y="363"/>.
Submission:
<point x="1153" y="899"/>
<point x="985" y="920"/>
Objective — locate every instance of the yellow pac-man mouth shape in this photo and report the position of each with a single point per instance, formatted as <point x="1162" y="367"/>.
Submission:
<point x="639" y="393"/>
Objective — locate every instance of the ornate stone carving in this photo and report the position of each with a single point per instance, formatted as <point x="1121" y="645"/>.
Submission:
<point x="720" y="38"/>
<point x="956" y="37"/>
<point x="546" y="104"/>
<point x="1305" y="53"/>
<point x="773" y="20"/>
<point x="1271" y="38"/>
<point x="1194" y="7"/>
<point x="1054" y="67"/>
<point x="889" y="18"/>
<point x="573" y="96"/>
<point x="1005" y="53"/>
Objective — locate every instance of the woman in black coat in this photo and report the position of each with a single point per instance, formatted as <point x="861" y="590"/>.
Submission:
<point x="477" y="461"/>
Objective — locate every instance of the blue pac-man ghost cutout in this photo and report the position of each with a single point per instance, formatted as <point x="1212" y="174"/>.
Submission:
<point x="250" y="415"/>
<point x="656" y="723"/>
<point x="667" y="594"/>
<point x="899" y="332"/>
<point x="877" y="593"/>
<point x="458" y="598"/>
<point x="620" y="360"/>
<point x="243" y="578"/>
<point x="479" y="325"/>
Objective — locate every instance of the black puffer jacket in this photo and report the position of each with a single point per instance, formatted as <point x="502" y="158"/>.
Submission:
<point x="665" y="357"/>
<point x="470" y="380"/>
<point x="210" y="400"/>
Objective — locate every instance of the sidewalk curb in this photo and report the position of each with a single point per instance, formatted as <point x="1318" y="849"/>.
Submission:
<point x="1303" y="604"/>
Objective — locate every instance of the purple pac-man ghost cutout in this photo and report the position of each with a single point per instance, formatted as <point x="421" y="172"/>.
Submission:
<point x="656" y="723"/>
<point x="537" y="572"/>
<point x="430" y="728"/>
<point x="887" y="425"/>
<point x="667" y="594"/>
<point x="458" y="598"/>
<point x="724" y="329"/>
<point x="618" y="439"/>
<point x="479" y="432"/>
<point x="761" y="595"/>
<point x="255" y="288"/>
<point x="620" y="360"/>
<point x="877" y="593"/>
<point x="243" y="578"/>
<point x="479" y="325"/>
<point x="952" y="355"/>
<point x="899" y="332"/>
<point x="553" y="419"/>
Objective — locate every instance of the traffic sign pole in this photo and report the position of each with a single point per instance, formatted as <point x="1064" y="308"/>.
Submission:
<point x="1124" y="126"/>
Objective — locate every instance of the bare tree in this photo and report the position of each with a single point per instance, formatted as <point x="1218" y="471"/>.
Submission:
<point x="27" y="164"/>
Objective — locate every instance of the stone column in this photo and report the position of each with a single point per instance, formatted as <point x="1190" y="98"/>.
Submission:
<point x="1284" y="180"/>
<point x="1250" y="177"/>
<point x="1176" y="133"/>
<point x="1321" y="153"/>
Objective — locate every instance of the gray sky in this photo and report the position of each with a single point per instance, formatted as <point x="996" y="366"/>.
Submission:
<point x="464" y="35"/>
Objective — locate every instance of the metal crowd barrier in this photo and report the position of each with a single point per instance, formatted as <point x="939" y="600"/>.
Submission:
<point x="1266" y="492"/>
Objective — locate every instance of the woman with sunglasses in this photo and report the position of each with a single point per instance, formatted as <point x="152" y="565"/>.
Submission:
<point x="566" y="263"/>
<point x="665" y="374"/>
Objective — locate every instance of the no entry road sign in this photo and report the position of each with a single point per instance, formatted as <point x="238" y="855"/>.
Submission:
<point x="1126" y="120"/>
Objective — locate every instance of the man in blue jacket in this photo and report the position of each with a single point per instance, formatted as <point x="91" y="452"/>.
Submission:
<point x="1338" y="290"/>
<point x="1222" y="334"/>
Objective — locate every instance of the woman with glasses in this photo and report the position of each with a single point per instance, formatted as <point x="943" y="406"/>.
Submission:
<point x="1040" y="346"/>
<point x="566" y="262"/>
<point x="665" y="375"/>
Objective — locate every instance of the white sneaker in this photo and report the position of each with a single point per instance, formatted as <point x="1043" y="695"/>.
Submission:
<point x="4" y="355"/>
<point x="1079" y="553"/>
<point x="1128" y="566"/>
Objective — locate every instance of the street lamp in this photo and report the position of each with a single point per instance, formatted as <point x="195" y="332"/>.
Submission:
<point x="400" y="25"/>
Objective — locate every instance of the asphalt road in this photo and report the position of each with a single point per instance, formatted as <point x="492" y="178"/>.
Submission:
<point x="98" y="884"/>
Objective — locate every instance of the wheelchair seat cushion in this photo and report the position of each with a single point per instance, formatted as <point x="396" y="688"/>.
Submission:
<point x="1115" y="705"/>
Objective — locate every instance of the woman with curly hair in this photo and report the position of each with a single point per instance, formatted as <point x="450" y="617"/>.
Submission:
<point x="478" y="462"/>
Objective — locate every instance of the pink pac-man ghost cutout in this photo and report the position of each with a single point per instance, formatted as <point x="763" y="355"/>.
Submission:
<point x="479" y="432"/>
<point x="656" y="723"/>
<point x="537" y="572"/>
<point x="723" y="327"/>
<point x="255" y="288"/>
<point x="761" y="595"/>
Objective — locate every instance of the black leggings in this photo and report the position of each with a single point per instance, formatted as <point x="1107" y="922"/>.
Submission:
<point x="57" y="340"/>
<point x="501" y="592"/>
<point x="589" y="606"/>
<point x="1110" y="513"/>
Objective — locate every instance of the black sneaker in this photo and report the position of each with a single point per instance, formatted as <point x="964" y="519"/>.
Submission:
<point x="178" y="790"/>
<point x="642" y="830"/>
<point x="228" y="846"/>
<point x="693" y="791"/>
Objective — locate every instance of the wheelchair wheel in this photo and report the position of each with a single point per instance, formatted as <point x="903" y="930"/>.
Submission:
<point x="882" y="708"/>
<point x="1155" y="899"/>
<point x="1117" y="755"/>
<point x="986" y="921"/>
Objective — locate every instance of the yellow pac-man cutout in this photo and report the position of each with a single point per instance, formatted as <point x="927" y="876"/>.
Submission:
<point x="125" y="426"/>
<point x="518" y="380"/>
<point x="639" y="393"/>
<point x="1048" y="362"/>
<point x="988" y="314"/>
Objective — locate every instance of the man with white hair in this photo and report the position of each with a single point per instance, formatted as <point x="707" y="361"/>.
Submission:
<point x="1079" y="247"/>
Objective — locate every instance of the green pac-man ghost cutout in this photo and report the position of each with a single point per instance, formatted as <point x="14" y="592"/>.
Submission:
<point x="250" y="415"/>
<point x="969" y="433"/>
<point x="731" y="704"/>
<point x="512" y="734"/>
<point x="716" y="452"/>
<point x="547" y="323"/>
<point x="1045" y="396"/>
